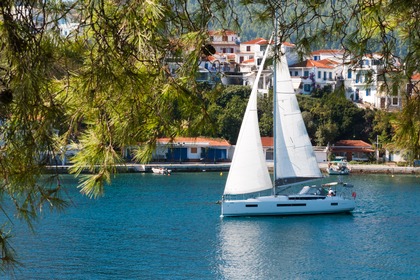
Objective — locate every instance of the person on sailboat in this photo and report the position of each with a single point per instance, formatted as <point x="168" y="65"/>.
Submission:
<point x="331" y="192"/>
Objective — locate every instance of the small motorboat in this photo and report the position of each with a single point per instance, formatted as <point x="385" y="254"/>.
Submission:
<point x="338" y="167"/>
<point x="161" y="171"/>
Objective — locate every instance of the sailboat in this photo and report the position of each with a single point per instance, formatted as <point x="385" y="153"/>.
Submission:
<point x="249" y="189"/>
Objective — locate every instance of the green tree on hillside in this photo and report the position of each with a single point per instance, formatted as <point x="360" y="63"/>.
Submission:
<point x="229" y="110"/>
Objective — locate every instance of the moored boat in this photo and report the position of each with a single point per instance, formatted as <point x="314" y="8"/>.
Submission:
<point x="161" y="171"/>
<point x="338" y="167"/>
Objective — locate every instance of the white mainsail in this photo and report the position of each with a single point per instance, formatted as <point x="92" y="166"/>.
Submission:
<point x="295" y="158"/>
<point x="248" y="171"/>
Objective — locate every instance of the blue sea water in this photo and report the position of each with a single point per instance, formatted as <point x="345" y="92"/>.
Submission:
<point x="168" y="227"/>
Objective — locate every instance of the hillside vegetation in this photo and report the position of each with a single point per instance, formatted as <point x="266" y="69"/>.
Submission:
<point x="329" y="117"/>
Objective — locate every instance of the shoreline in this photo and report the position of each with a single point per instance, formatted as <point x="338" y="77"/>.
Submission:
<point x="224" y="167"/>
<point x="377" y="169"/>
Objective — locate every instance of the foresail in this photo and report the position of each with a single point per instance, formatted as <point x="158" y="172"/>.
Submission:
<point x="295" y="158"/>
<point x="248" y="171"/>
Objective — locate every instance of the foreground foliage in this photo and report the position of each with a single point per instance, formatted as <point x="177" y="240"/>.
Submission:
<point x="108" y="85"/>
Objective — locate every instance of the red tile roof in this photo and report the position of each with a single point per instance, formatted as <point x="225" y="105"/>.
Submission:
<point x="211" y="58"/>
<point x="248" y="61"/>
<point x="267" y="141"/>
<point x="313" y="63"/>
<point x="352" y="145"/>
<point x="329" y="62"/>
<point x="416" y="77"/>
<point x="257" y="41"/>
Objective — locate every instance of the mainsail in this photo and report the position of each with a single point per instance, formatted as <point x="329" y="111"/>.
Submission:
<point x="248" y="171"/>
<point x="295" y="160"/>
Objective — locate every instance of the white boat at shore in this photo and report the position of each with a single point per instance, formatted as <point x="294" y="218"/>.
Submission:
<point x="294" y="161"/>
<point x="161" y="171"/>
<point x="338" y="167"/>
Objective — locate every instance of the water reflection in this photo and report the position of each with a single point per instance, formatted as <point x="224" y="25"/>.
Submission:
<point x="241" y="249"/>
<point x="281" y="247"/>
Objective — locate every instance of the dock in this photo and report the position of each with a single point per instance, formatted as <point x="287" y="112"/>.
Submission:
<point x="224" y="167"/>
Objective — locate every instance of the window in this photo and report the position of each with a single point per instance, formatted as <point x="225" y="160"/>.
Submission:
<point x="365" y="62"/>
<point x="349" y="74"/>
<point x="368" y="91"/>
<point x="248" y="48"/>
<point x="395" y="101"/>
<point x="306" y="73"/>
<point x="325" y="75"/>
<point x="307" y="88"/>
<point x="296" y="73"/>
<point x="225" y="38"/>
<point x="251" y="205"/>
<point x="319" y="74"/>
<point x="291" y="204"/>
<point x="193" y="150"/>
<point x="330" y="75"/>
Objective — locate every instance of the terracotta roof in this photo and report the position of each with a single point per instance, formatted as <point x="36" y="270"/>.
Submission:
<point x="248" y="61"/>
<point x="258" y="41"/>
<point x="202" y="141"/>
<point x="267" y="141"/>
<point x="329" y="62"/>
<point x="416" y="77"/>
<point x="352" y="145"/>
<point x="312" y="63"/>
<point x="211" y="58"/>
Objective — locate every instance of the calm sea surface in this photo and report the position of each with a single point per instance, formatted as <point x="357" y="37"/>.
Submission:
<point x="156" y="227"/>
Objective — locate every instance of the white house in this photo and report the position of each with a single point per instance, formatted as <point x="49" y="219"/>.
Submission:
<point x="337" y="55"/>
<point x="252" y="51"/>
<point x="225" y="41"/>
<point x="365" y="83"/>
<point x="311" y="73"/>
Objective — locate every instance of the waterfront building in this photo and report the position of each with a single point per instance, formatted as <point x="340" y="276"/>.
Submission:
<point x="192" y="149"/>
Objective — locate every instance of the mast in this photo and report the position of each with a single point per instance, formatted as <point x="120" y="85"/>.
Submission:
<point x="275" y="100"/>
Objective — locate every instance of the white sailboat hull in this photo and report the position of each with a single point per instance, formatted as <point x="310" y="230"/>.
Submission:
<point x="287" y="205"/>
